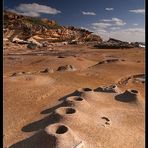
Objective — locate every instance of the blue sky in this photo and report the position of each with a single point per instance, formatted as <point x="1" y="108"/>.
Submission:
<point x="122" y="19"/>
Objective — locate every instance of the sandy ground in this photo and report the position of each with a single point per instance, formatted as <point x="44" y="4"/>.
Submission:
<point x="31" y="98"/>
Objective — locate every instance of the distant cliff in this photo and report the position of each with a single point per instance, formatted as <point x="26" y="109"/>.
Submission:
<point x="24" y="28"/>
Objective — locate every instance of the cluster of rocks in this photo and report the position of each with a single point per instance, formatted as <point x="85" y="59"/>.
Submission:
<point x="138" y="44"/>
<point x="21" y="73"/>
<point x="43" y="32"/>
<point x="47" y="70"/>
<point x="32" y="43"/>
<point x="115" y="44"/>
<point x="133" y="78"/>
<point x="66" y="68"/>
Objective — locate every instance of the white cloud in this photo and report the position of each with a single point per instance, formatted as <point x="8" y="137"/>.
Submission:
<point x="116" y="21"/>
<point x="83" y="28"/>
<point x="130" y="34"/>
<point x="98" y="31"/>
<point x="105" y="25"/>
<point x="135" y="24"/>
<point x="114" y="28"/>
<point x="32" y="14"/>
<point x="109" y="9"/>
<point x="101" y="25"/>
<point x="34" y="9"/>
<point x="135" y="30"/>
<point x="88" y="13"/>
<point x="138" y="11"/>
<point x="106" y="20"/>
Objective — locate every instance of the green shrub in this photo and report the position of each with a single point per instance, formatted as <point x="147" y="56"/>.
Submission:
<point x="37" y="21"/>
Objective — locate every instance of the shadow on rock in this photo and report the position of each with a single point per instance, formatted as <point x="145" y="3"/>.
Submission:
<point x="39" y="140"/>
<point x="75" y="93"/>
<point x="49" y="110"/>
<point x="42" y="139"/>
<point x="130" y="96"/>
<point x="41" y="124"/>
<point x="62" y="104"/>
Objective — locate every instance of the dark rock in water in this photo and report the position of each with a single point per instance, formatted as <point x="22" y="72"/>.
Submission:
<point x="31" y="46"/>
<point x="66" y="68"/>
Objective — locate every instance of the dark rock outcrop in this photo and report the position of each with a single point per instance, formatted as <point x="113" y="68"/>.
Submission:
<point x="31" y="46"/>
<point x="114" y="44"/>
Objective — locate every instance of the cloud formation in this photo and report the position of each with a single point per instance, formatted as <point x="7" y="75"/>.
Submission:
<point x="138" y="11"/>
<point x="104" y="25"/>
<point x="101" y="25"/>
<point x="109" y="9"/>
<point x="135" y="24"/>
<point x="114" y="28"/>
<point x="34" y="10"/>
<point x="129" y="34"/>
<point x="115" y="21"/>
<point x="107" y="28"/>
<point x="88" y="13"/>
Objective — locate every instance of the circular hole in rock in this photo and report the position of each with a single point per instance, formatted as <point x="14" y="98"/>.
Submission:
<point x="134" y="91"/>
<point x="78" y="99"/>
<point x="61" y="129"/>
<point x="87" y="89"/>
<point x="114" y="86"/>
<point x="70" y="111"/>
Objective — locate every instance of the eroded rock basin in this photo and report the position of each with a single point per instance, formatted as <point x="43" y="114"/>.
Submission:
<point x="82" y="108"/>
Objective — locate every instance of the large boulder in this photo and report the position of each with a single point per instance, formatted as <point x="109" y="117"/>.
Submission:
<point x="31" y="46"/>
<point x="17" y="40"/>
<point x="33" y="41"/>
